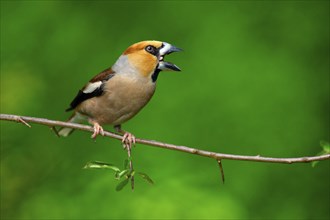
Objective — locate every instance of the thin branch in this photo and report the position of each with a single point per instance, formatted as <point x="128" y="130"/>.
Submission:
<point x="204" y="153"/>
<point x="131" y="169"/>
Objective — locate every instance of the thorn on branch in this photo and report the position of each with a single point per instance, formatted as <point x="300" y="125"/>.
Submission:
<point x="55" y="131"/>
<point x="221" y="170"/>
<point x="20" y="119"/>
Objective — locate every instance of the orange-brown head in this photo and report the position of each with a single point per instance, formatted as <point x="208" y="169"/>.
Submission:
<point x="146" y="58"/>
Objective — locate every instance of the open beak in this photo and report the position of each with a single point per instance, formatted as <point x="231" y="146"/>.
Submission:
<point x="165" y="50"/>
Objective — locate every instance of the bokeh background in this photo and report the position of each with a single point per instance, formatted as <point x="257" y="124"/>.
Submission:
<point x="254" y="80"/>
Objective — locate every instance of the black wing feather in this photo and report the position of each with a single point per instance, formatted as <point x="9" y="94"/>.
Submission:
<point x="81" y="96"/>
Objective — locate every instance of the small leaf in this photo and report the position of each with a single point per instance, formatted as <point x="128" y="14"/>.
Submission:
<point x="132" y="173"/>
<point x="146" y="177"/>
<point x="101" y="165"/>
<point x="325" y="150"/>
<point x="314" y="163"/>
<point x="117" y="177"/>
<point x="122" y="173"/>
<point x="326" y="146"/>
<point x="122" y="184"/>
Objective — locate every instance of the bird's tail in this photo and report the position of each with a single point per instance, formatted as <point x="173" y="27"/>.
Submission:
<point x="75" y="118"/>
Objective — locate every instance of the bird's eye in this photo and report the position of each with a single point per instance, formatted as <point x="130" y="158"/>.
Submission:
<point x="151" y="49"/>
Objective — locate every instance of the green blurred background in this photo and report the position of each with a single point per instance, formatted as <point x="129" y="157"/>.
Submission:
<point x="254" y="80"/>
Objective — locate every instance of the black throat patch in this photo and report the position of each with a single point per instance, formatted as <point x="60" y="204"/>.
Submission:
<point x="154" y="76"/>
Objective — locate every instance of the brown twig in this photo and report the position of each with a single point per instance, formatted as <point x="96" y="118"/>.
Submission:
<point x="204" y="153"/>
<point x="130" y="166"/>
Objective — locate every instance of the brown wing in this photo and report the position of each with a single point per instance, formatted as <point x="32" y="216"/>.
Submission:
<point x="92" y="89"/>
<point x="103" y="76"/>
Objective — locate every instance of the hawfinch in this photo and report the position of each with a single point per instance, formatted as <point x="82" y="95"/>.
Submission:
<point x="118" y="93"/>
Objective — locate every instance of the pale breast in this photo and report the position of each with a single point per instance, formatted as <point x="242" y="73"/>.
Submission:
<point x="123" y="97"/>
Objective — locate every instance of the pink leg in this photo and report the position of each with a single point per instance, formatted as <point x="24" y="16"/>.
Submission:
<point x="97" y="129"/>
<point x="128" y="139"/>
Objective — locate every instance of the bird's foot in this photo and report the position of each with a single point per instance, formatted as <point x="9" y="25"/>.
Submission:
<point x="128" y="141"/>
<point x="97" y="130"/>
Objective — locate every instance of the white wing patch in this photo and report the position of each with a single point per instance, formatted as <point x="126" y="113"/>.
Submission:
<point x="91" y="87"/>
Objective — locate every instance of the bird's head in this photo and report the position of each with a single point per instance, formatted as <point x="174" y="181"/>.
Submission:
<point x="147" y="59"/>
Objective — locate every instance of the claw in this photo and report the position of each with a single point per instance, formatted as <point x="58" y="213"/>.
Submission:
<point x="128" y="140"/>
<point x="97" y="130"/>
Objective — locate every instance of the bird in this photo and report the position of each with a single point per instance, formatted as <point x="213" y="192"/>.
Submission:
<point x="118" y="93"/>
